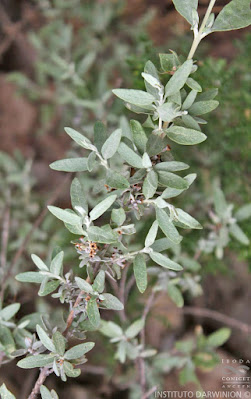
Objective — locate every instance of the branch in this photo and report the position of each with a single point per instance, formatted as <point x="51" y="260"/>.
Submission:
<point x="26" y="240"/>
<point x="213" y="314"/>
<point x="44" y="372"/>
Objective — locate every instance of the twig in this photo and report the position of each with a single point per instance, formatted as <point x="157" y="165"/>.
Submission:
<point x="213" y="314"/>
<point x="150" y="392"/>
<point x="129" y="285"/>
<point x="122" y="287"/>
<point x="27" y="238"/>
<point x="44" y="372"/>
<point x="72" y="312"/>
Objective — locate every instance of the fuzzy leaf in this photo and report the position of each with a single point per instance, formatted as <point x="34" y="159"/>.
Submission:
<point x="185" y="8"/>
<point x="83" y="285"/>
<point x="80" y="139"/>
<point x="179" y="78"/>
<point x="5" y="393"/>
<point x="99" y="282"/>
<point x="59" y="343"/>
<point x="130" y="156"/>
<point x="93" y="312"/>
<point x="175" y="295"/>
<point x="203" y="107"/>
<point x="238" y="234"/>
<point x="64" y="215"/>
<point x="110" y="329"/>
<point x="243" y="213"/>
<point x="140" y="272"/>
<point x="30" y="277"/>
<point x="111" y="145"/>
<point x="70" y="165"/>
<point x="218" y="337"/>
<point x="150" y="184"/>
<point x="102" y="236"/>
<point x="46" y="341"/>
<point x="139" y="136"/>
<point x="187" y="220"/>
<point x="167" y="226"/>
<point x="57" y="264"/>
<point x="116" y="180"/>
<point x="77" y="195"/>
<point x="134" y="329"/>
<point x="111" y="302"/>
<point x="102" y="207"/>
<point x="151" y="235"/>
<point x="100" y="135"/>
<point x="235" y="15"/>
<point x="9" y="311"/>
<point x="118" y="216"/>
<point x="168" y="179"/>
<point x="165" y="262"/>
<point x="39" y="263"/>
<point x="78" y="351"/>
<point x="182" y="135"/>
<point x="171" y="166"/>
<point x="135" y="97"/>
<point x="34" y="361"/>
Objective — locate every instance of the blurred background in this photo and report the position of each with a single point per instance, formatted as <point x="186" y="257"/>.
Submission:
<point x="59" y="61"/>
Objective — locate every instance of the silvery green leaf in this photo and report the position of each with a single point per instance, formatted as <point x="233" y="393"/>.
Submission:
<point x="220" y="203"/>
<point x="48" y="287"/>
<point x="148" y="109"/>
<point x="150" y="184"/>
<point x="151" y="70"/>
<point x="179" y="78"/>
<point x="128" y="230"/>
<point x="193" y="84"/>
<point x="30" y="277"/>
<point x="135" y="97"/>
<point x="91" y="161"/>
<point x="168" y="112"/>
<point x="218" y="337"/>
<point x="140" y="272"/>
<point x="111" y="302"/>
<point x="7" y="342"/>
<point x="93" y="312"/>
<point x="171" y="166"/>
<point x="167" y="226"/>
<point x="189" y="264"/>
<point x="110" y="329"/>
<point x="83" y="285"/>
<point x="34" y="361"/>
<point x="39" y="263"/>
<point x="99" y="282"/>
<point x="5" y="393"/>
<point x="97" y="234"/>
<point x="185" y="8"/>
<point x="116" y="180"/>
<point x="134" y="329"/>
<point x="75" y="228"/>
<point x="162" y="245"/>
<point x="111" y="145"/>
<point x="151" y="235"/>
<point x="130" y="156"/>
<point x="190" y="122"/>
<point x="80" y="139"/>
<point x="182" y="135"/>
<point x="187" y="220"/>
<point x="70" y="165"/>
<point x="59" y="343"/>
<point x="57" y="264"/>
<point x="189" y="100"/>
<point x="121" y="352"/>
<point x="146" y="161"/>
<point x="118" y="216"/>
<point x="100" y="135"/>
<point x="70" y="371"/>
<point x="77" y="195"/>
<point x="168" y="179"/>
<point x="169" y="61"/>
<point x="9" y="311"/>
<point x="160" y="203"/>
<point x="78" y="351"/>
<point x="46" y="341"/>
<point x="45" y="393"/>
<point x="139" y="136"/>
<point x="148" y="353"/>
<point x="102" y="207"/>
<point x="151" y="80"/>
<point x="203" y="107"/>
<point x="235" y="15"/>
<point x="176" y="99"/>
<point x="237" y="233"/>
<point x="155" y="144"/>
<point x="243" y="213"/>
<point x="175" y="295"/>
<point x="64" y="215"/>
<point x="164" y="261"/>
